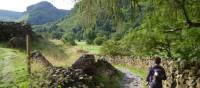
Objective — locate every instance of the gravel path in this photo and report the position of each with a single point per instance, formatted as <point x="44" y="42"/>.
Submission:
<point x="130" y="80"/>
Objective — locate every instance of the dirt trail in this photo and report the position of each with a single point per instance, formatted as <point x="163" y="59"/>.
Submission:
<point x="130" y="80"/>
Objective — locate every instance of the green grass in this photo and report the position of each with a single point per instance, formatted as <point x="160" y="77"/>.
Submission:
<point x="94" y="49"/>
<point x="13" y="73"/>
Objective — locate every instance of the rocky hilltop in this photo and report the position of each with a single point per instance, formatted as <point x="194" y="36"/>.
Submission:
<point x="42" y="13"/>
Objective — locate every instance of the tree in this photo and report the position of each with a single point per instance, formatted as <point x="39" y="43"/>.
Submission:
<point x="90" y="36"/>
<point x="57" y="35"/>
<point x="188" y="45"/>
<point x="144" y="27"/>
<point x="68" y="38"/>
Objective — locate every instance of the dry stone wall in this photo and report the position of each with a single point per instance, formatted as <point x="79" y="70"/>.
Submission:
<point x="9" y="30"/>
<point x="15" y="34"/>
<point x="180" y="73"/>
<point x="84" y="73"/>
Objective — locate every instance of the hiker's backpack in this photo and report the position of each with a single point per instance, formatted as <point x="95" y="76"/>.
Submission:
<point x="158" y="74"/>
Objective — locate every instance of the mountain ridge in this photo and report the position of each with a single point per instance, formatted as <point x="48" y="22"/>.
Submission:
<point x="43" y="12"/>
<point x="7" y="15"/>
<point x="36" y="14"/>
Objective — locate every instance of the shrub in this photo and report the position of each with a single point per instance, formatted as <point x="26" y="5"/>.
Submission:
<point x="69" y="38"/>
<point x="89" y="36"/>
<point x="117" y="36"/>
<point x="111" y="48"/>
<point x="99" y="40"/>
<point x="57" y="35"/>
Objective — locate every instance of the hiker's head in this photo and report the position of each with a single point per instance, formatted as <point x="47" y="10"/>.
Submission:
<point x="157" y="60"/>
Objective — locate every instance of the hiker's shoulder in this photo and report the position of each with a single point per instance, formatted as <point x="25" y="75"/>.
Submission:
<point x="157" y="66"/>
<point x="160" y="67"/>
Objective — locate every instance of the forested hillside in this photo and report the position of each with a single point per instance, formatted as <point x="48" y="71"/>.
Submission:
<point x="166" y="28"/>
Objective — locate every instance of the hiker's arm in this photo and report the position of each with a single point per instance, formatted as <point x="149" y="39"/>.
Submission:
<point x="149" y="75"/>
<point x="164" y="76"/>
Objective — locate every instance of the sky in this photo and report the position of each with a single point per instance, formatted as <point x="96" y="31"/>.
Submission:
<point x="21" y="5"/>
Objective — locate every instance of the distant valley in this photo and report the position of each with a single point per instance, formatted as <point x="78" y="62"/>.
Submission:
<point x="37" y="14"/>
<point x="6" y="15"/>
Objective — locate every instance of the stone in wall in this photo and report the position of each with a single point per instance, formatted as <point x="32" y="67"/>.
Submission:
<point x="87" y="63"/>
<point x="198" y="83"/>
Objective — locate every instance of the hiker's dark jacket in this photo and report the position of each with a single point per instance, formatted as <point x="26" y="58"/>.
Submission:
<point x="158" y="82"/>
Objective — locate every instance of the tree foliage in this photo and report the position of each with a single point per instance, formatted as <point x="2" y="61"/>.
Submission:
<point x="168" y="28"/>
<point x="50" y="30"/>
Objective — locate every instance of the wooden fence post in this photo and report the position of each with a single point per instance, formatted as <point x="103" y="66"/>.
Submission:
<point x="28" y="48"/>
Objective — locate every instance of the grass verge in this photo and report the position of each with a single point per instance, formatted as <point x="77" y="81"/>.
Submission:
<point x="110" y="83"/>
<point x="13" y="72"/>
<point x="94" y="49"/>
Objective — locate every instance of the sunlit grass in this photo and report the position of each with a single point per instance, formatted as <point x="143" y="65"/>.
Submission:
<point x="94" y="49"/>
<point x="58" y="53"/>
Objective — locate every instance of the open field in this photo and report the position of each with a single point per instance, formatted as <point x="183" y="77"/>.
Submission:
<point x="94" y="49"/>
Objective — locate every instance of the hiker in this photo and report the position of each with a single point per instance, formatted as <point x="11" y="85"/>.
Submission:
<point x="156" y="74"/>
